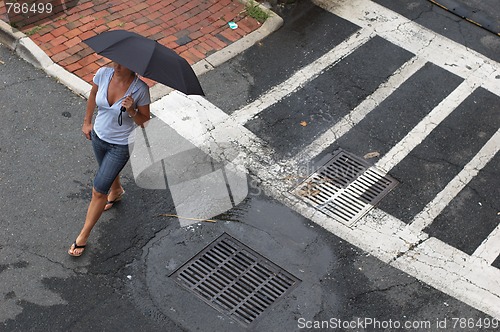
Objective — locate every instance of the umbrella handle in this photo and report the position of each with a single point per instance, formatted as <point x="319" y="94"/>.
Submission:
<point x="120" y="116"/>
<point x="123" y="109"/>
<point x="136" y="78"/>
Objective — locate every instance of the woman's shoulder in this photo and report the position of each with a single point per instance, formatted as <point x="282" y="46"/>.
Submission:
<point x="143" y="90"/>
<point x="142" y="85"/>
<point x="103" y="72"/>
<point x="106" y="70"/>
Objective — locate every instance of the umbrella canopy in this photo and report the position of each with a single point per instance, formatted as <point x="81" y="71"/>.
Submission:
<point x="147" y="58"/>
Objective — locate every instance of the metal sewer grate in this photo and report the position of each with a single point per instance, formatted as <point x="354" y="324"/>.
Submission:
<point x="235" y="280"/>
<point x="345" y="188"/>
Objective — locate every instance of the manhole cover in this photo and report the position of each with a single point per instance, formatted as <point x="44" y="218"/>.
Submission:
<point x="345" y="188"/>
<point x="234" y="279"/>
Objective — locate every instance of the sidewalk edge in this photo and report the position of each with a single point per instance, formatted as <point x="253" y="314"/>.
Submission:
<point x="273" y="23"/>
<point x="20" y="43"/>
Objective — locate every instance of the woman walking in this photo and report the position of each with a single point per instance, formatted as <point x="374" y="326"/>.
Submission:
<point x="113" y="89"/>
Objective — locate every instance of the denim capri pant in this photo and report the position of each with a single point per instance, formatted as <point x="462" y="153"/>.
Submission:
<point x="111" y="158"/>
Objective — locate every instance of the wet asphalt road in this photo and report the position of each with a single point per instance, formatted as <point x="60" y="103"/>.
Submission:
<point x="122" y="282"/>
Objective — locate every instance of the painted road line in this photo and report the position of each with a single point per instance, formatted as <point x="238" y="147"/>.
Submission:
<point x="441" y="200"/>
<point x="419" y="40"/>
<point x="489" y="250"/>
<point x="195" y="118"/>
<point x="302" y="76"/>
<point x="390" y="240"/>
<point x="420" y="131"/>
<point x="455" y="273"/>
<point x="357" y="114"/>
<point x="298" y="119"/>
<point x="209" y="128"/>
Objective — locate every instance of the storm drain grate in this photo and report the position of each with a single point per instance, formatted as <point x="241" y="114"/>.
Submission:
<point x="235" y="280"/>
<point x="345" y="188"/>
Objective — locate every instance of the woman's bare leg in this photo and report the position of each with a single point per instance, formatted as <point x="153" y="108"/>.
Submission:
<point x="115" y="191"/>
<point x="94" y="211"/>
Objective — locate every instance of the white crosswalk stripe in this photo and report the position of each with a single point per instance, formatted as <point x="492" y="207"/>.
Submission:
<point x="424" y="128"/>
<point x="302" y="76"/>
<point x="422" y="42"/>
<point x="470" y="278"/>
<point x="363" y="109"/>
<point x="437" y="205"/>
<point x="489" y="249"/>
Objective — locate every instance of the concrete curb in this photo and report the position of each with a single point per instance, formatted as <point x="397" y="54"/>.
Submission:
<point x="32" y="53"/>
<point x="273" y="23"/>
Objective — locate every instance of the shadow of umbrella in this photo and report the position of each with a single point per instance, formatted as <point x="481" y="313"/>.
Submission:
<point x="201" y="187"/>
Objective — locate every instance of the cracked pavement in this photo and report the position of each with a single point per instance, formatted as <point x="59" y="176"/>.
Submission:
<point x="122" y="282"/>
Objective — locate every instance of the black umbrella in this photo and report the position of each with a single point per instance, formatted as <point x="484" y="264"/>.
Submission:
<point x="147" y="58"/>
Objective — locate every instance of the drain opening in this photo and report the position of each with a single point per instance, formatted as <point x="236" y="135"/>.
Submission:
<point x="345" y="188"/>
<point x="235" y="280"/>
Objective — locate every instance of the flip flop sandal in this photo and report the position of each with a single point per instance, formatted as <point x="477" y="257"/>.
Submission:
<point x="76" y="246"/>
<point x="117" y="199"/>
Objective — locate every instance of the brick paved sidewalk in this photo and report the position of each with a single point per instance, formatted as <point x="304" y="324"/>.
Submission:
<point x="193" y="28"/>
